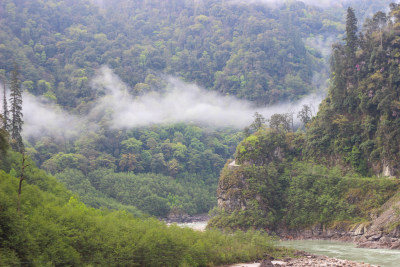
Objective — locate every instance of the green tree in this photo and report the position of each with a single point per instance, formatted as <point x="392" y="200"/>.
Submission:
<point x="259" y="122"/>
<point x="158" y="163"/>
<point x="131" y="145"/>
<point x="16" y="110"/>
<point x="173" y="167"/>
<point x="6" y="119"/>
<point x="380" y="21"/>
<point x="3" y="141"/>
<point x="128" y="162"/>
<point x="281" y="122"/>
<point x="351" y="35"/>
<point x="305" y="114"/>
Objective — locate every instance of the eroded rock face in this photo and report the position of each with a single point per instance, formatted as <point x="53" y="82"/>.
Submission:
<point x="386" y="168"/>
<point x="340" y="232"/>
<point x="230" y="186"/>
<point x="382" y="232"/>
<point x="234" y="191"/>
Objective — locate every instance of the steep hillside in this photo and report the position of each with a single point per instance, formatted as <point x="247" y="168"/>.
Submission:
<point x="45" y="225"/>
<point x="358" y="123"/>
<point x="251" y="51"/>
<point x="325" y="176"/>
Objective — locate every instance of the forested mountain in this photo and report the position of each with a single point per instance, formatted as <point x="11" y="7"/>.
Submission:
<point x="253" y="51"/>
<point x="358" y="123"/>
<point x="321" y="174"/>
<point x="344" y="166"/>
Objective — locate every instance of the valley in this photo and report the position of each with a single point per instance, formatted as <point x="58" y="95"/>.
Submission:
<point x="278" y="120"/>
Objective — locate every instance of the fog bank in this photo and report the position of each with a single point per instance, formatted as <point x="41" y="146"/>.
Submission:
<point x="180" y="102"/>
<point x="42" y="118"/>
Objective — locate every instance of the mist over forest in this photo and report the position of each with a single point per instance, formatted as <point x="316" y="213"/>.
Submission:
<point x="178" y="102"/>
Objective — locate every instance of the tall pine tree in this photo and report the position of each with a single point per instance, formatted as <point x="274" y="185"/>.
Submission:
<point x="351" y="47"/>
<point x="351" y="35"/>
<point x="6" y="119"/>
<point x="16" y="110"/>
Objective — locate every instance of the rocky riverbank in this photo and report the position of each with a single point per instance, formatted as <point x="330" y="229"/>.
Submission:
<point x="314" y="261"/>
<point x="305" y="260"/>
<point x="364" y="235"/>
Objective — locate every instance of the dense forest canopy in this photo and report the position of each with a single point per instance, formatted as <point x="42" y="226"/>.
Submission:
<point x="344" y="166"/>
<point x="253" y="51"/>
<point x="53" y="228"/>
<point x="53" y="50"/>
<point x="249" y="50"/>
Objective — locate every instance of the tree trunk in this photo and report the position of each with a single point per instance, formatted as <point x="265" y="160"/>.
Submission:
<point x="21" y="179"/>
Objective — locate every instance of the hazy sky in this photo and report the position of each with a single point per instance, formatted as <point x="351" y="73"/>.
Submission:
<point x="182" y="102"/>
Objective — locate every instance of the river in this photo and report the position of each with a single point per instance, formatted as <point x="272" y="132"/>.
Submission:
<point x="199" y="226"/>
<point x="333" y="249"/>
<point x="346" y="251"/>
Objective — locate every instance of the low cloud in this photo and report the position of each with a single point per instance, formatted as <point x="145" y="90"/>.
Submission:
<point x="180" y="102"/>
<point x="42" y="118"/>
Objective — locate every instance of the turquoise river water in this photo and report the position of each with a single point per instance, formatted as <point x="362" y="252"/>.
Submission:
<point x="333" y="249"/>
<point x="346" y="251"/>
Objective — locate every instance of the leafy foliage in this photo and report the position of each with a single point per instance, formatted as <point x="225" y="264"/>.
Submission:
<point x="358" y="122"/>
<point x="186" y="158"/>
<point x="251" y="51"/>
<point x="316" y="175"/>
<point x="54" y="228"/>
<point x="274" y="185"/>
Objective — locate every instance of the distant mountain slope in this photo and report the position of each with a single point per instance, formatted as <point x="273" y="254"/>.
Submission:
<point x="251" y="51"/>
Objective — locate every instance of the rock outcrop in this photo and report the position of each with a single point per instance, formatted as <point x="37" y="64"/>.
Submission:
<point x="230" y="188"/>
<point x="384" y="231"/>
<point x="381" y="232"/>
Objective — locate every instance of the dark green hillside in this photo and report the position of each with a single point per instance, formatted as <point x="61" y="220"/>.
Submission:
<point x="344" y="167"/>
<point x="159" y="169"/>
<point x="358" y="123"/>
<point x="250" y="51"/>
<point x="273" y="185"/>
<point x="52" y="228"/>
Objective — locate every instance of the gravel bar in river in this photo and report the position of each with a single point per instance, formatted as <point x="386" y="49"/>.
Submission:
<point x="308" y="260"/>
